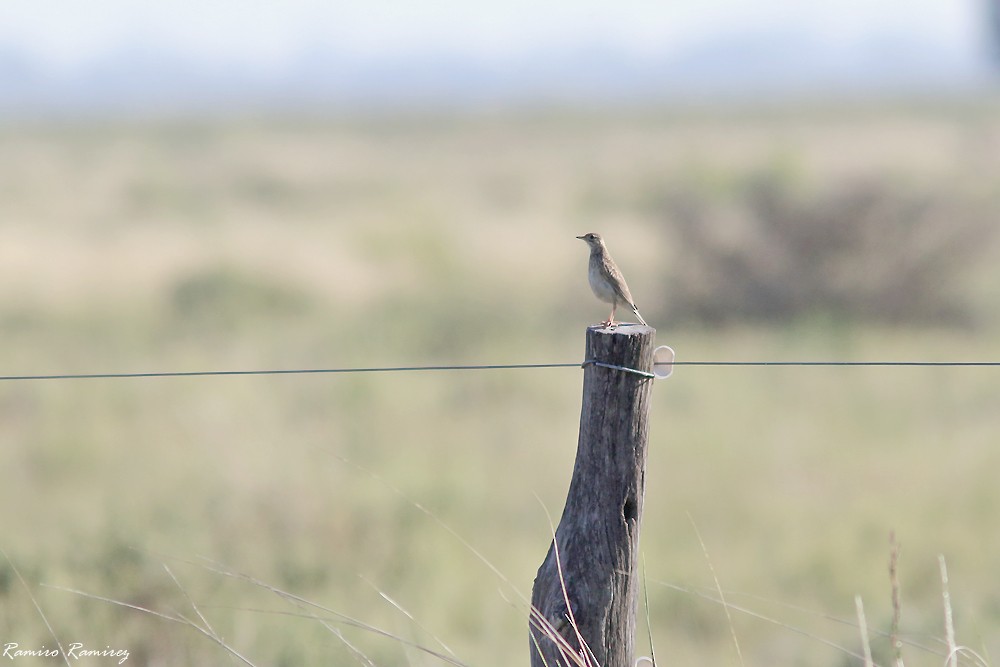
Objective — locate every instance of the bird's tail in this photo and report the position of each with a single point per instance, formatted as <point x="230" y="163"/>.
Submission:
<point x="636" y="311"/>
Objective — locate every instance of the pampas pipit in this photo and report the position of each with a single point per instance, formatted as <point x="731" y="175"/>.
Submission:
<point x="606" y="279"/>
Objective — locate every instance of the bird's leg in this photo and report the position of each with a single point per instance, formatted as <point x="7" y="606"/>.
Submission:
<point x="611" y="318"/>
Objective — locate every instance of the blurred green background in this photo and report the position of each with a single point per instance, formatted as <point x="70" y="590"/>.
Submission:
<point x="850" y="232"/>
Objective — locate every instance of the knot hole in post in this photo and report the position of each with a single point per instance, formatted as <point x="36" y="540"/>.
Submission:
<point x="630" y="509"/>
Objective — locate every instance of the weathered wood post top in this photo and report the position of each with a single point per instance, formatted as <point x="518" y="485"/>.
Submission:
<point x="584" y="599"/>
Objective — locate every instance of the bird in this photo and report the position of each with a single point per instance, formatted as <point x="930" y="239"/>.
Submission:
<point x="606" y="278"/>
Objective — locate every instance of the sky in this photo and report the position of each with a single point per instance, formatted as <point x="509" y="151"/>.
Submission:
<point x="71" y="33"/>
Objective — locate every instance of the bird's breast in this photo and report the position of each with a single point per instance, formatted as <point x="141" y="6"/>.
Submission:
<point x="599" y="283"/>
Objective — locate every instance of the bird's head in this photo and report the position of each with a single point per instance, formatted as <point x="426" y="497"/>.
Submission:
<point x="593" y="240"/>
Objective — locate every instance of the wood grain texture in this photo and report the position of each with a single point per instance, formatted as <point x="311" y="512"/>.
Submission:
<point x="598" y="534"/>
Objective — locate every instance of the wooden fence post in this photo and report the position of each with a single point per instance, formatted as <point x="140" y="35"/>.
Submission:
<point x="591" y="563"/>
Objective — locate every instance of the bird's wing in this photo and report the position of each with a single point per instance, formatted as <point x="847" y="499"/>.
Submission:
<point x="618" y="280"/>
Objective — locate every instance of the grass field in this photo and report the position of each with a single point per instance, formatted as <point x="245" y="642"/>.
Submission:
<point x="253" y="244"/>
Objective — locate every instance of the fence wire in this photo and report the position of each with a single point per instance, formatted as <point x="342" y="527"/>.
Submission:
<point x="470" y="367"/>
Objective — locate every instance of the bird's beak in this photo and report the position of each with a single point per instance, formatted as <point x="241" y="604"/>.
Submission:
<point x="581" y="238"/>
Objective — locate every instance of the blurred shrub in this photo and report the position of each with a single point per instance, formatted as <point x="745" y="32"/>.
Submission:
<point x="866" y="250"/>
<point x="220" y="298"/>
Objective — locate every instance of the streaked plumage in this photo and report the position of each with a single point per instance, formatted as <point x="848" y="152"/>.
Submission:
<point x="606" y="278"/>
